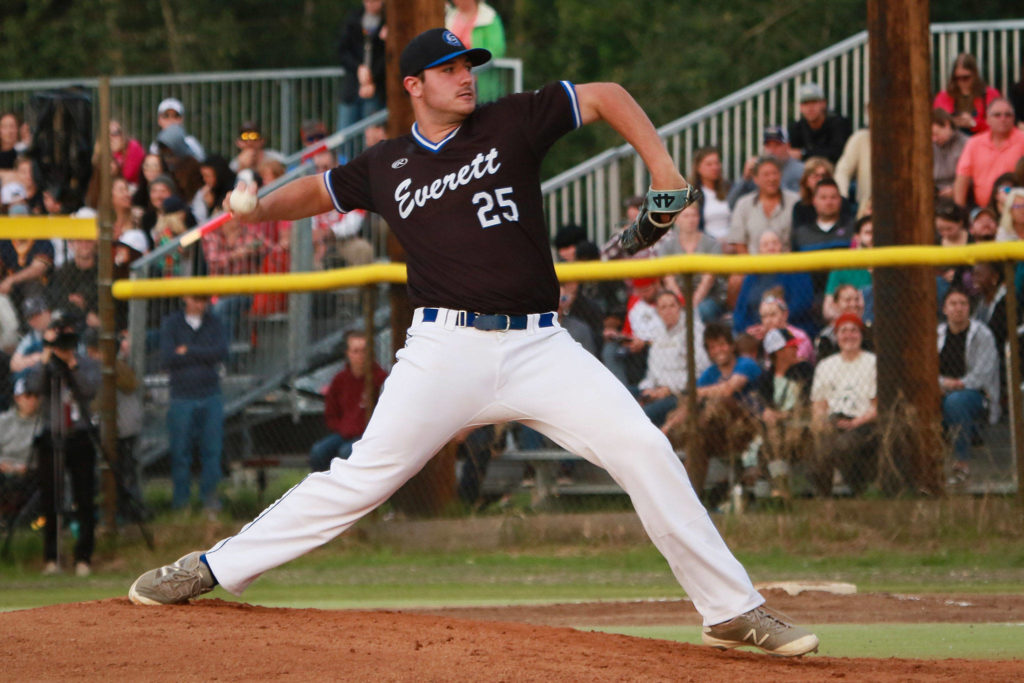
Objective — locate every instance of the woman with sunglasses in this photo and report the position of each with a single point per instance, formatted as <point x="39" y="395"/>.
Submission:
<point x="966" y="96"/>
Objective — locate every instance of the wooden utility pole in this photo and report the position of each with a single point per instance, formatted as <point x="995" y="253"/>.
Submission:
<point x="108" y="333"/>
<point x="902" y="197"/>
<point x="433" y="488"/>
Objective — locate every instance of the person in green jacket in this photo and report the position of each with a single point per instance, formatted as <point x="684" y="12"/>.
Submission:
<point x="477" y="25"/>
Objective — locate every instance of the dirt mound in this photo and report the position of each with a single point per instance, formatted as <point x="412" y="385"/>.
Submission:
<point x="216" y="640"/>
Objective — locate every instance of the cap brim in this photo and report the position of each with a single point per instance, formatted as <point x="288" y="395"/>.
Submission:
<point x="476" y="56"/>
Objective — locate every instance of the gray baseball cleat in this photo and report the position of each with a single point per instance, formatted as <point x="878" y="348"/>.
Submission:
<point x="173" y="583"/>
<point x="762" y="628"/>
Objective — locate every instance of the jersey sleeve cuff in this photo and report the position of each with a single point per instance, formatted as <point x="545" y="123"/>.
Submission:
<point x="574" y="103"/>
<point x="330" y="191"/>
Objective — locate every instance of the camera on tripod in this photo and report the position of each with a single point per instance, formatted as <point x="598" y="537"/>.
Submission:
<point x="66" y="324"/>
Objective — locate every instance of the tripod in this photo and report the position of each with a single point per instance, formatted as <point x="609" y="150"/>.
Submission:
<point x="61" y="381"/>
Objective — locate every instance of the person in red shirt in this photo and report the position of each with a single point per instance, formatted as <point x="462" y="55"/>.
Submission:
<point x="345" y="405"/>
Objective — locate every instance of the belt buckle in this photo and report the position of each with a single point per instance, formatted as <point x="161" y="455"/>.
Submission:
<point x="460" y="318"/>
<point x="508" y="323"/>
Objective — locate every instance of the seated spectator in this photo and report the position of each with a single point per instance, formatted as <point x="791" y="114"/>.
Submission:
<point x="725" y="390"/>
<point x="625" y="351"/>
<point x="770" y="208"/>
<point x="860" y="278"/>
<point x="713" y="207"/>
<point x="774" y="314"/>
<point x="818" y="131"/>
<point x="174" y="220"/>
<point x="347" y="404"/>
<point x="988" y="155"/>
<point x="848" y="299"/>
<point x="612" y="249"/>
<point x="278" y="259"/>
<point x="666" y="376"/>
<point x="796" y="291"/>
<point x="127" y="153"/>
<point x="233" y="250"/>
<point x="26" y="266"/>
<point x="845" y="408"/>
<point x="990" y="308"/>
<point x="1001" y="192"/>
<point x="121" y="203"/>
<point x="29" y="352"/>
<point x="984" y="224"/>
<point x="11" y="194"/>
<point x="178" y="159"/>
<point x="775" y="143"/>
<point x="18" y="427"/>
<point x="948" y="144"/>
<point x="160" y="189"/>
<point x="854" y="167"/>
<point x="784" y="392"/>
<point x="8" y="144"/>
<point x="817" y="169"/>
<point x="829" y="229"/>
<point x="171" y="112"/>
<point x="152" y="168"/>
<point x="566" y="238"/>
<point x="966" y="97"/>
<point x="1011" y="222"/>
<point x="75" y="283"/>
<point x="951" y="232"/>
<point x="686" y="238"/>
<point x="252" y="149"/>
<point x="968" y="377"/>
<point x="26" y="174"/>
<point x="581" y="317"/>
<point x="10" y="325"/>
<point x="218" y="180"/>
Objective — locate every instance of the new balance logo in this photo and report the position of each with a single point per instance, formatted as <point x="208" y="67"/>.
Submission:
<point x="752" y="637"/>
<point x="662" y="201"/>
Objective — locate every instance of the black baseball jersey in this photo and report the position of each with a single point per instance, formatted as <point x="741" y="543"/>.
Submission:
<point x="468" y="209"/>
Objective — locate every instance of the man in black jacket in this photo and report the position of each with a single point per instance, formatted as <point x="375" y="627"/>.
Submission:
<point x="819" y="132"/>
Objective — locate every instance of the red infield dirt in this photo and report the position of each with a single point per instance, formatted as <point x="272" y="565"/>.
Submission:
<point x="212" y="639"/>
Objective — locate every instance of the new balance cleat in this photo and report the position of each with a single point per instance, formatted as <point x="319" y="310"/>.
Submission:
<point x="763" y="629"/>
<point x="174" y="583"/>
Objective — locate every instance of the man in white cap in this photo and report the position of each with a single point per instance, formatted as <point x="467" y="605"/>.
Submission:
<point x="818" y="132"/>
<point x="171" y="112"/>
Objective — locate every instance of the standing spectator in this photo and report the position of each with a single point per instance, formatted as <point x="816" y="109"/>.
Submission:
<point x="968" y="377"/>
<point x="477" y="25"/>
<point x="818" y="132"/>
<point x="845" y="407"/>
<point x="775" y="143"/>
<point x="948" y="144"/>
<point x="74" y="283"/>
<point x="967" y="96"/>
<point x="713" y="205"/>
<point x="193" y="344"/>
<point x="65" y="382"/>
<point x="770" y="208"/>
<point x="361" y="53"/>
<point x="171" y="112"/>
<point x="854" y="166"/>
<point x="988" y="155"/>
<point x="666" y="376"/>
<point x="685" y="238"/>
<point x="127" y="153"/>
<point x="346" y="404"/>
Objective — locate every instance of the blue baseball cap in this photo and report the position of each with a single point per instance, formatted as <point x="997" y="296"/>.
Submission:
<point x="434" y="47"/>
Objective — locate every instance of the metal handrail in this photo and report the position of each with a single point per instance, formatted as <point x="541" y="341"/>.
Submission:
<point x="589" y="193"/>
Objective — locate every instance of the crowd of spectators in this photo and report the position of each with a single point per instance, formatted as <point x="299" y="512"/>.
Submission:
<point x="785" y="361"/>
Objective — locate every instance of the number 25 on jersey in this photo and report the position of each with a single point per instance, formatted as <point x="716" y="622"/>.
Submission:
<point x="494" y="208"/>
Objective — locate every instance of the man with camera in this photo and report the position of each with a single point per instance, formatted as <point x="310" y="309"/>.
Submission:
<point x="66" y="381"/>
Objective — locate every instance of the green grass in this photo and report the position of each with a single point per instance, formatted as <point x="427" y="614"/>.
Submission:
<point x="917" y="641"/>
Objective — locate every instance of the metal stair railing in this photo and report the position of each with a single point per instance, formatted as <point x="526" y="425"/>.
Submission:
<point x="591" y="193"/>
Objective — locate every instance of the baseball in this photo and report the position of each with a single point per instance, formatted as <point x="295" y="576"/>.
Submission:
<point x="242" y="201"/>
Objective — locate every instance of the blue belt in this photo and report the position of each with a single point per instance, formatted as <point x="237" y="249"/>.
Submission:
<point x="491" y="322"/>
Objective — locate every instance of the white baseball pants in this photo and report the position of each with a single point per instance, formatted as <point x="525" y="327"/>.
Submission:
<point x="448" y="378"/>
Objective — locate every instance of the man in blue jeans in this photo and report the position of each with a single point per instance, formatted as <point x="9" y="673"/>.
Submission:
<point x="193" y="344"/>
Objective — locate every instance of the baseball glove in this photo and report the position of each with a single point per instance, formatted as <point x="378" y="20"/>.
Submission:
<point x="656" y="217"/>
